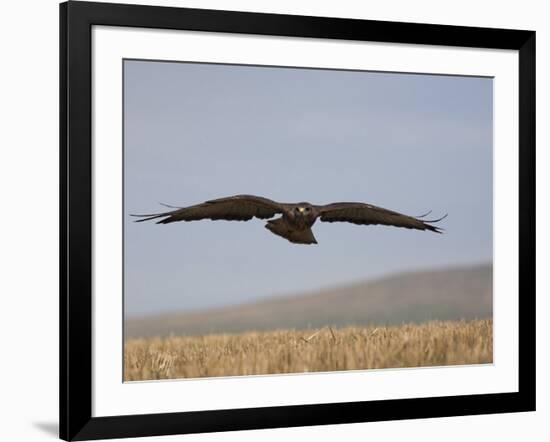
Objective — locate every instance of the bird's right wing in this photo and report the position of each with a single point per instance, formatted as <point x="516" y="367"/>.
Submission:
<point x="233" y="208"/>
<point x="361" y="213"/>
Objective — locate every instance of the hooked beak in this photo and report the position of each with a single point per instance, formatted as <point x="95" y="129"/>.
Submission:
<point x="301" y="209"/>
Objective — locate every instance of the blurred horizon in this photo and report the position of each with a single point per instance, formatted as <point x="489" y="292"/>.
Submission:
<point x="313" y="290"/>
<point x="453" y="293"/>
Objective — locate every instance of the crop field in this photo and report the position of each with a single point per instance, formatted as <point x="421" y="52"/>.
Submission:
<point x="297" y="351"/>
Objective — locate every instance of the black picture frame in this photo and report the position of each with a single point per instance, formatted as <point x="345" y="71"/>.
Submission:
<point x="76" y="21"/>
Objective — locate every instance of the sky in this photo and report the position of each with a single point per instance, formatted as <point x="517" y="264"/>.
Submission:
<point x="194" y="132"/>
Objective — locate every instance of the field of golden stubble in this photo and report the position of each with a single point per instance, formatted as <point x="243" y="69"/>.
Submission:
<point x="298" y="351"/>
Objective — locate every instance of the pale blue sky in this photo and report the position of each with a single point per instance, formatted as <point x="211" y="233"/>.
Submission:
<point x="195" y="132"/>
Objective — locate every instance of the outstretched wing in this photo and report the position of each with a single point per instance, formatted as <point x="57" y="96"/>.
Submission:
<point x="233" y="208"/>
<point x="360" y="213"/>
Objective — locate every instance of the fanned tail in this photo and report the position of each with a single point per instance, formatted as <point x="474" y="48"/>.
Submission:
<point x="281" y="228"/>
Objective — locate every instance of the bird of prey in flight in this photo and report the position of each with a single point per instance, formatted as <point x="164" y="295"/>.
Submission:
<point x="296" y="220"/>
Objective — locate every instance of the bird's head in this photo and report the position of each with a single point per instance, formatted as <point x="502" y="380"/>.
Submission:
<point x="303" y="210"/>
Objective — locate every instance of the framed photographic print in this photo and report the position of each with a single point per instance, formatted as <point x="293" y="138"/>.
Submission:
<point x="273" y="220"/>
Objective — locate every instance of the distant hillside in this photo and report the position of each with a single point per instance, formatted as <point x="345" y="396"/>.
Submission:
<point x="449" y="294"/>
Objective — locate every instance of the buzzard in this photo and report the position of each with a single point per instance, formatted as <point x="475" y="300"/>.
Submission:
<point x="296" y="220"/>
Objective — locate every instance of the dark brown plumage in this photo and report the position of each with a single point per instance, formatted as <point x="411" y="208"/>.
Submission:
<point x="296" y="220"/>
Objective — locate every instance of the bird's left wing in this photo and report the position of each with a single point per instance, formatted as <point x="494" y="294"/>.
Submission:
<point x="233" y="208"/>
<point x="361" y="213"/>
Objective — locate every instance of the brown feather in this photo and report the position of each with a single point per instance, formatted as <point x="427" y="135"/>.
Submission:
<point x="235" y="208"/>
<point x="367" y="214"/>
<point x="281" y="227"/>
